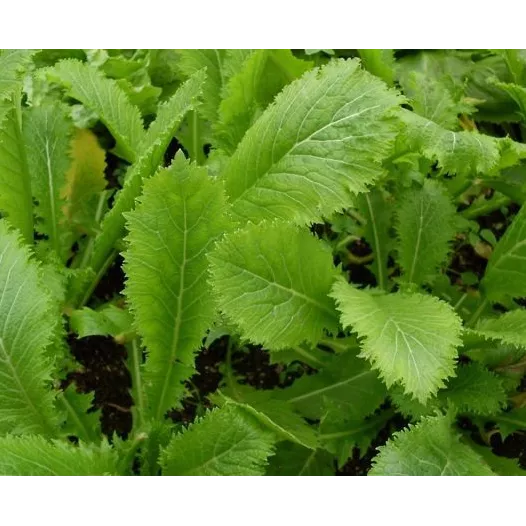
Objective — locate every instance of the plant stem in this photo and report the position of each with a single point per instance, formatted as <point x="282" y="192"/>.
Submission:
<point x="134" y="365"/>
<point x="477" y="313"/>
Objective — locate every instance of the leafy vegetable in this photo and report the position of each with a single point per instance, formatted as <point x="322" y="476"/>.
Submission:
<point x="262" y="262"/>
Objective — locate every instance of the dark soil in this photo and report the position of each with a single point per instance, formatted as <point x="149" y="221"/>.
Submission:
<point x="104" y="372"/>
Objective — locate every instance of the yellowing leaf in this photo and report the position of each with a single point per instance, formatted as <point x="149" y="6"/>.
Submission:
<point x="84" y="181"/>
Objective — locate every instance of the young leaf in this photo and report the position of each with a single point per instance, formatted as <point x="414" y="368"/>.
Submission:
<point x="16" y="200"/>
<point x="475" y="389"/>
<point x="321" y="141"/>
<point x="158" y="136"/>
<point x="509" y="328"/>
<point x="47" y="132"/>
<point x="193" y="60"/>
<point x="278" y="416"/>
<point x="430" y="448"/>
<point x="340" y="432"/>
<point x="78" y="421"/>
<point x="84" y="182"/>
<point x="409" y="338"/>
<point x="247" y="93"/>
<point x="461" y="153"/>
<point x="426" y="225"/>
<point x="110" y="320"/>
<point x="264" y="284"/>
<point x="107" y="100"/>
<point x="177" y="220"/>
<point x="227" y="441"/>
<point x="293" y="460"/>
<point x="26" y="328"/>
<point x="12" y="64"/>
<point x="346" y="381"/>
<point x="377" y="213"/>
<point x="35" y="456"/>
<point x="506" y="273"/>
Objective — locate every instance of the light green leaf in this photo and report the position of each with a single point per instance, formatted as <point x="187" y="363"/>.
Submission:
<point x="409" y="338"/>
<point x="506" y="273"/>
<point x="194" y="60"/>
<point x="110" y="320"/>
<point x="13" y="62"/>
<point x="227" y="441"/>
<point x="475" y="389"/>
<point x="462" y="153"/>
<point x="379" y="62"/>
<point x="322" y="141"/>
<point x="426" y="225"/>
<point x="263" y="74"/>
<point x="293" y="460"/>
<point x="157" y="139"/>
<point x="27" y="323"/>
<point x="430" y="448"/>
<point x="276" y="415"/>
<point x="47" y="133"/>
<point x="377" y="212"/>
<point x="35" y="456"/>
<point x="16" y="200"/>
<point x="346" y="381"/>
<point x="272" y="280"/>
<point x="340" y="432"/>
<point x="517" y="93"/>
<point x="103" y="96"/>
<point x="509" y="328"/>
<point x="78" y="421"/>
<point x="177" y="220"/>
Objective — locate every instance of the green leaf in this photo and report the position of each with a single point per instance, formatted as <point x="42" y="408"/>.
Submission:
<point x="157" y="139"/>
<point x="78" y="421"/>
<point x="278" y="416"/>
<point x="517" y="93"/>
<point x="377" y="212"/>
<point x="251" y="89"/>
<point x="35" y="456"/>
<point x="177" y="220"/>
<point x="110" y="320"/>
<point x="409" y="338"/>
<point x="426" y="225"/>
<point x="509" y="328"/>
<point x="16" y="200"/>
<point x="506" y="273"/>
<point x="433" y="100"/>
<point x="506" y="467"/>
<point x="430" y="448"/>
<point x="13" y="62"/>
<point x="321" y="142"/>
<point x="263" y="284"/>
<point x="293" y="460"/>
<point x="346" y="381"/>
<point x="511" y="422"/>
<point x="26" y="328"/>
<point x="340" y="432"/>
<point x="475" y="389"/>
<point x="227" y="441"/>
<point x="461" y="153"/>
<point x="107" y="100"/>
<point x="194" y="60"/>
<point x="47" y="133"/>
<point x="379" y="62"/>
